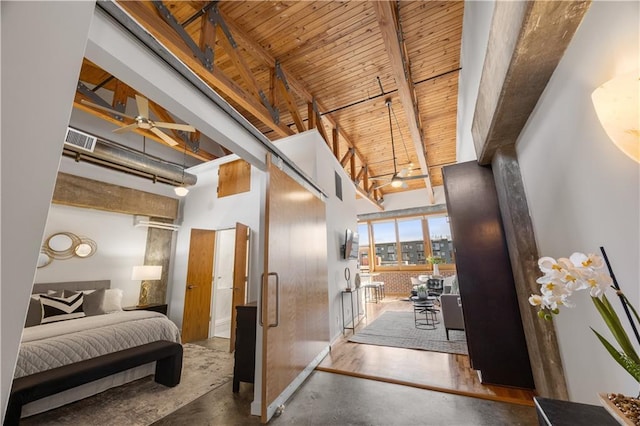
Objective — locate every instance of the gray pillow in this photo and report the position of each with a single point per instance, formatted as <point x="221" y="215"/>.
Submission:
<point x="34" y="312"/>
<point x="93" y="302"/>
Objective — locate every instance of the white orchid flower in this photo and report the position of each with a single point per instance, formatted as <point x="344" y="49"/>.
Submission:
<point x="598" y="283"/>
<point x="548" y="264"/>
<point x="591" y="260"/>
<point x="535" y="300"/>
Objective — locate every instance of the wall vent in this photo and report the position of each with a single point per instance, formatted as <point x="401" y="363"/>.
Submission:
<point x="80" y="139"/>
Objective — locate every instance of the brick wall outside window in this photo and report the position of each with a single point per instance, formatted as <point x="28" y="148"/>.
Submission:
<point x="399" y="283"/>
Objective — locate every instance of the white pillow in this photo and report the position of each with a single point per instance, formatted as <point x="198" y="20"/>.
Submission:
<point x="112" y="300"/>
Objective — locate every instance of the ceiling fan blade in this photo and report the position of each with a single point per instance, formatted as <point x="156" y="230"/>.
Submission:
<point x="126" y="128"/>
<point x="176" y="126"/>
<point x="412" y="177"/>
<point x="143" y="106"/>
<point x="164" y="136"/>
<point x="109" y="110"/>
<point x="382" y="185"/>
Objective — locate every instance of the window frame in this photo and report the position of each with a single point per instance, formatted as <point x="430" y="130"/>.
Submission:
<point x="399" y="253"/>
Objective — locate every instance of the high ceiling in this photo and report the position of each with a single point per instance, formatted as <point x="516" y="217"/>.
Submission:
<point x="291" y="65"/>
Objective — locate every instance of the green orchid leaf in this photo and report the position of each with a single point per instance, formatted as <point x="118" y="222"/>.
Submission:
<point x="630" y="366"/>
<point x="613" y="322"/>
<point x="626" y="301"/>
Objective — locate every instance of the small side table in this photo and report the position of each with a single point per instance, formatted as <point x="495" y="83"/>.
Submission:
<point x="155" y="307"/>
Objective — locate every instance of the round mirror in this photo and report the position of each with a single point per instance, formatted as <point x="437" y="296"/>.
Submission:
<point x="86" y="248"/>
<point x="43" y="259"/>
<point x="60" y="242"/>
<point x="61" y="245"/>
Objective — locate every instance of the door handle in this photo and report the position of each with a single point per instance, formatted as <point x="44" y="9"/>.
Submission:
<point x="262" y="285"/>
<point x="191" y="287"/>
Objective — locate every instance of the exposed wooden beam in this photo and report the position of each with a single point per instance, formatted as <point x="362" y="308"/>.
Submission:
<point x="352" y="164"/>
<point x="255" y="49"/>
<point x="526" y="42"/>
<point x="283" y="86"/>
<point x="336" y="141"/>
<point x="346" y="158"/>
<point x="77" y="191"/>
<point x="120" y="96"/>
<point x="153" y="23"/>
<point x="387" y="21"/>
<point x="207" y="35"/>
<point x="311" y="116"/>
<point x="361" y="173"/>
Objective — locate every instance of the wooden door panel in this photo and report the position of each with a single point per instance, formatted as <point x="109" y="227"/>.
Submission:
<point x="239" y="277"/>
<point x="296" y="252"/>
<point x="197" y="300"/>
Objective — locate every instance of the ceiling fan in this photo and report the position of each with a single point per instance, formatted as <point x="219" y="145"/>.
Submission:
<point x="142" y="121"/>
<point x="398" y="178"/>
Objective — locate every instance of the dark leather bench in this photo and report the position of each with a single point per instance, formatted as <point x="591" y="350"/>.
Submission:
<point x="168" y="357"/>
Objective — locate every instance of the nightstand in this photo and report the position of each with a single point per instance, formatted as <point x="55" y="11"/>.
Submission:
<point x="155" y="307"/>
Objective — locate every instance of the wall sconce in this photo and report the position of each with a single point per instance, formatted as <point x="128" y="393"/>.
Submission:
<point x="145" y="274"/>
<point x="616" y="104"/>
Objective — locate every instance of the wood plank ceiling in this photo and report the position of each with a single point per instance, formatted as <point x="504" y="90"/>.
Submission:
<point x="327" y="65"/>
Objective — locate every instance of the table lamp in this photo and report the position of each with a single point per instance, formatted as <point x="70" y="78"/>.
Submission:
<point x="146" y="273"/>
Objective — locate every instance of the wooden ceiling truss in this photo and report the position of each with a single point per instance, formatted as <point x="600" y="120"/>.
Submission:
<point x="121" y="94"/>
<point x="293" y="66"/>
<point x="215" y="28"/>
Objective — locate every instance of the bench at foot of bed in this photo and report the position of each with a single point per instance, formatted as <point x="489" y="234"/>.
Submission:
<point x="168" y="357"/>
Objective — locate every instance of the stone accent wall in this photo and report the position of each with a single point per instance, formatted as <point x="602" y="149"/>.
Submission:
<point x="398" y="283"/>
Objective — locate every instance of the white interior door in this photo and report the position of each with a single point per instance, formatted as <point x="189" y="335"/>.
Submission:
<point x="222" y="284"/>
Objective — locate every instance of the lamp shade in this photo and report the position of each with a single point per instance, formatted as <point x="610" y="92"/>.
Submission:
<point x="181" y="191"/>
<point x="146" y="272"/>
<point x="616" y="104"/>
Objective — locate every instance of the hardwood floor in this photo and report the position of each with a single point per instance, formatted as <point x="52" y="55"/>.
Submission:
<point x="443" y="372"/>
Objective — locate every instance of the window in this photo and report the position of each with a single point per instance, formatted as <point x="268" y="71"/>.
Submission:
<point x="408" y="241"/>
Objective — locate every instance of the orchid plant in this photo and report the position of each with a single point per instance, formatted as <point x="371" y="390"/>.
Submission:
<point x="562" y="277"/>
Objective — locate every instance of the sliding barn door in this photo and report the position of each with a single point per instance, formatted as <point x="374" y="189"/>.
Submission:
<point x="295" y="307"/>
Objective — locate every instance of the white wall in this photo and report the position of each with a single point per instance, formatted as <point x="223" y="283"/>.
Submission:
<point x="403" y="200"/>
<point x="582" y="191"/>
<point x="121" y="246"/>
<point x="204" y="210"/>
<point x="476" y="23"/>
<point x="309" y="151"/>
<point x="39" y="77"/>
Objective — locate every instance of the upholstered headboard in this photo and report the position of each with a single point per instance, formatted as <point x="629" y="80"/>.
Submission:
<point x="71" y="285"/>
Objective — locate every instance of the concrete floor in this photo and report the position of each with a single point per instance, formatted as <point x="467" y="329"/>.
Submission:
<point x="333" y="399"/>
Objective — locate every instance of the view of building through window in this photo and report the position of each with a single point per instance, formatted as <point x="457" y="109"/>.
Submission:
<point x="406" y="241"/>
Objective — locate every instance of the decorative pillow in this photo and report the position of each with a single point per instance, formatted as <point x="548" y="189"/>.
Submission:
<point x="61" y="308"/>
<point x="92" y="304"/>
<point x="34" y="312"/>
<point x="112" y="300"/>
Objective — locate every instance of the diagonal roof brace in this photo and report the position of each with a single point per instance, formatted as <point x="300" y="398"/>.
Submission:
<point x="205" y="57"/>
<point x="96" y="99"/>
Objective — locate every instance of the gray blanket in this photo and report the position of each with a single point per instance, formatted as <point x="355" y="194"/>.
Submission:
<point x="53" y="345"/>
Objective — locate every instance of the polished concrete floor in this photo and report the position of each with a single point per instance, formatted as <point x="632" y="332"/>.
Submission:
<point x="333" y="399"/>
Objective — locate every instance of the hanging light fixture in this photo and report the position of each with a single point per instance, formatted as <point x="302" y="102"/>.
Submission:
<point x="182" y="190"/>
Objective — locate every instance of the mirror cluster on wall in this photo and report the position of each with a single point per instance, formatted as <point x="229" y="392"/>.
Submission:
<point x="65" y="245"/>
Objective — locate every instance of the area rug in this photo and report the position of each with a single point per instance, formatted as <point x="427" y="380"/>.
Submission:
<point x="398" y="329"/>
<point x="144" y="401"/>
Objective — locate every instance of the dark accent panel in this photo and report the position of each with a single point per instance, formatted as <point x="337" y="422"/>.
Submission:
<point x="493" y="325"/>
<point x="245" y="351"/>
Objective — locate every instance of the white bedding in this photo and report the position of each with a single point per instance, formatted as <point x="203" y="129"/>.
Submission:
<point x="53" y="345"/>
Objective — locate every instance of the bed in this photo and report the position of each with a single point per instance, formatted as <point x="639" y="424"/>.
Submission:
<point x="104" y="329"/>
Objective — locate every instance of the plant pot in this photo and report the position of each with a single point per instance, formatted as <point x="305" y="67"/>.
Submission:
<point x="625" y="409"/>
<point x="436" y="269"/>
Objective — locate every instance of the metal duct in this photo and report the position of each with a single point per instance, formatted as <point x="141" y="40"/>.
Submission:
<point x="120" y="158"/>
